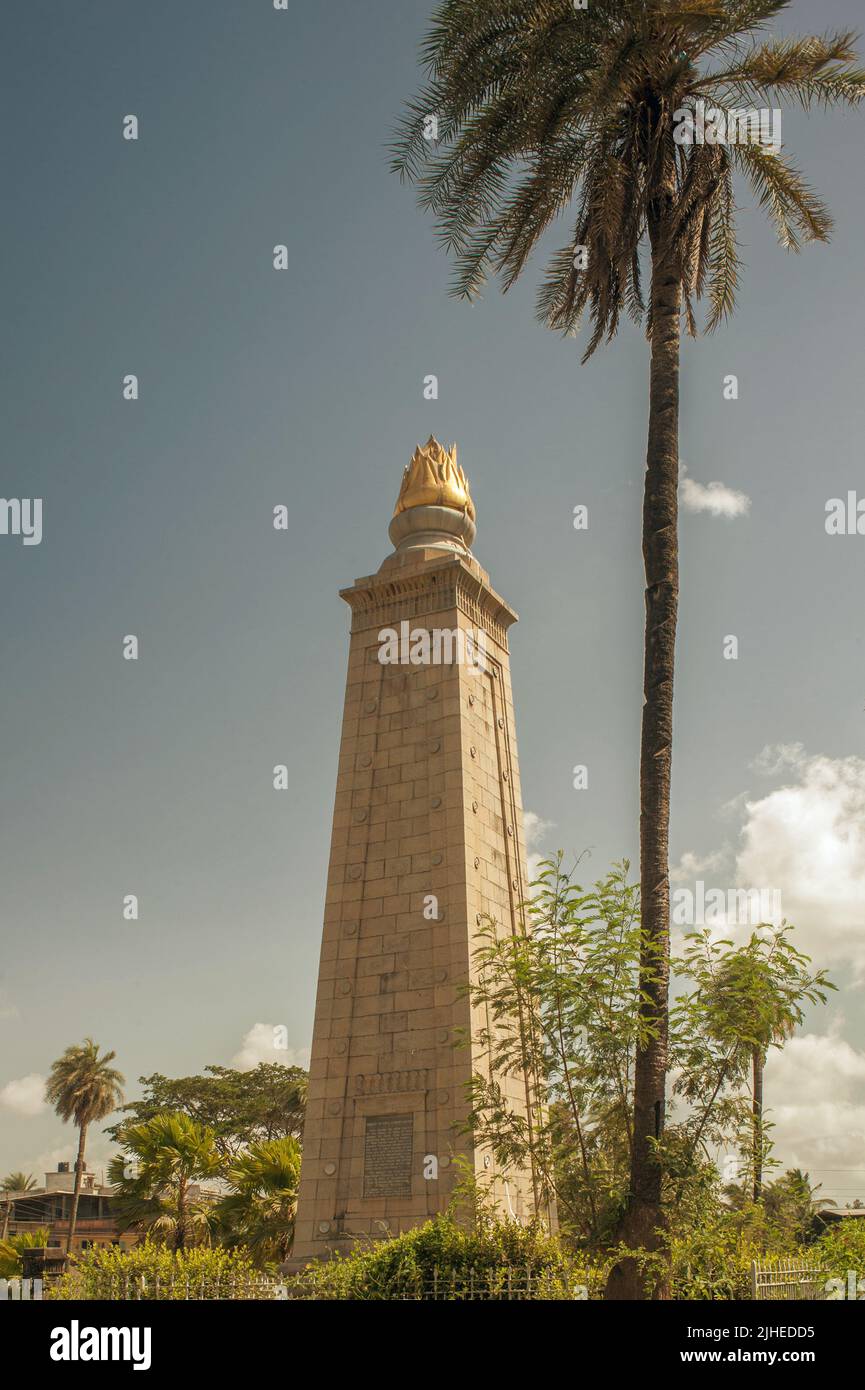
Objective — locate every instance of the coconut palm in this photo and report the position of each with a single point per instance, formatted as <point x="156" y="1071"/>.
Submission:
<point x="533" y="108"/>
<point x="795" y="1204"/>
<point x="153" y="1180"/>
<point x="84" y="1088"/>
<point x="260" y="1212"/>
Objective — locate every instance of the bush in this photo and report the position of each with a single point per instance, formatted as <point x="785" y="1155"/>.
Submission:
<point x="842" y="1248"/>
<point x="11" y="1263"/>
<point x="714" y="1264"/>
<point x="442" y="1259"/>
<point x="713" y="1244"/>
<point x="150" y="1272"/>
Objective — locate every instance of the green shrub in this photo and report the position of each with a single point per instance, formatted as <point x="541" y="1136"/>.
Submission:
<point x="714" y="1263"/>
<point x="492" y="1260"/>
<point x="150" y="1272"/>
<point x="842" y="1247"/>
<point x="11" y="1263"/>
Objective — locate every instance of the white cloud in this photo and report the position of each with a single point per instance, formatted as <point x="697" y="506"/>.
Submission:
<point x="99" y="1152"/>
<point x="693" y="866"/>
<point x="716" y="498"/>
<point x="807" y="838"/>
<point x="25" y="1096"/>
<point x="263" y="1043"/>
<point x="815" y="1093"/>
<point x="806" y="841"/>
<point x="776" y="756"/>
<point x="813" y="1065"/>
<point x="534" y="830"/>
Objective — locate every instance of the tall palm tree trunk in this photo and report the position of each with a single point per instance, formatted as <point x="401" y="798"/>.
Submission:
<point x="180" y="1234"/>
<point x="757" y="1112"/>
<point x="76" y="1187"/>
<point x="644" y="1215"/>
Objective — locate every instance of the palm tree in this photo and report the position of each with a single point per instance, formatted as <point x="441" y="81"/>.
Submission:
<point x="754" y="1001"/>
<point x="84" y="1088"/>
<point x="795" y="1205"/>
<point x="164" y="1157"/>
<point x="18" y="1182"/>
<point x="534" y="106"/>
<point x="260" y="1212"/>
<point x="14" y="1182"/>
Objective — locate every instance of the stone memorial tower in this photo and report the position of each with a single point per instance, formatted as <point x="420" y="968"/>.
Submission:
<point x="427" y="840"/>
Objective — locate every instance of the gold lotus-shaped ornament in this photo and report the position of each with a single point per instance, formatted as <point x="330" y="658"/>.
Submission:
<point x="434" y="479"/>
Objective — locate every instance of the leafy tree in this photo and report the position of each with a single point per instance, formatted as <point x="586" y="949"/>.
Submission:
<point x="540" y="108"/>
<point x="239" y="1107"/>
<point x="154" y="1178"/>
<point x="84" y="1088"/>
<point x="746" y="1001"/>
<point x="259" y="1213"/>
<point x="560" y="1007"/>
<point x="561" y="1002"/>
<point x="841" y="1247"/>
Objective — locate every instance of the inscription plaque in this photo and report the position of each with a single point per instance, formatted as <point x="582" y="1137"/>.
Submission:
<point x="387" y="1155"/>
<point x="385" y="1083"/>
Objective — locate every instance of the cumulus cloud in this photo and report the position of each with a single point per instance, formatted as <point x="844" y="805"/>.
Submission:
<point x="534" y="830"/>
<point x="24" y="1096"/>
<point x="815" y="1091"/>
<point x="266" y="1042"/>
<point x="775" y="757"/>
<point x="715" y="498"/>
<point x="693" y="866"/>
<point x="806" y="841"/>
<point x="807" y="838"/>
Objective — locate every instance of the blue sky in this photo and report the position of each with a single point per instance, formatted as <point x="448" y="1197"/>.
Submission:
<point x="305" y="387"/>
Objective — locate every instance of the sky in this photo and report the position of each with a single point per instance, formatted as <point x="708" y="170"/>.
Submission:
<point x="304" y="387"/>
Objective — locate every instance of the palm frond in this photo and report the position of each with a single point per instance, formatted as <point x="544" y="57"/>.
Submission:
<point x="797" y="213"/>
<point x="722" y="271"/>
<point x="813" y="71"/>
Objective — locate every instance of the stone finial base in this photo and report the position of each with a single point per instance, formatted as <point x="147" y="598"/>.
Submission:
<point x="432" y="528"/>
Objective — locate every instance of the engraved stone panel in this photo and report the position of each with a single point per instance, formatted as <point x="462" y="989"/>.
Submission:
<point x="385" y="1083"/>
<point x="387" y="1154"/>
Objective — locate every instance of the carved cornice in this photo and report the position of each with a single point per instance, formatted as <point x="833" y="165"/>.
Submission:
<point x="387" y="598"/>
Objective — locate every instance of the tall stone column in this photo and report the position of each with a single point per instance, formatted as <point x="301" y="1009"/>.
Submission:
<point x="427" y="840"/>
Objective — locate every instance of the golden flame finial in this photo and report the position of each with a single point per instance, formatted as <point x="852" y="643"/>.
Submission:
<point x="433" y="478"/>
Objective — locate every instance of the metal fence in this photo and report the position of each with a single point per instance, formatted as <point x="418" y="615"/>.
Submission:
<point x="503" y="1284"/>
<point x="180" y="1288"/>
<point x="21" y="1290"/>
<point x="787" y="1278"/>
